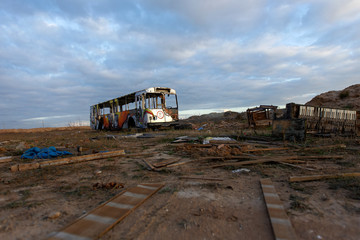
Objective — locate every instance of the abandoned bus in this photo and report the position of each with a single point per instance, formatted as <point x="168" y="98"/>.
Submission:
<point x="149" y="108"/>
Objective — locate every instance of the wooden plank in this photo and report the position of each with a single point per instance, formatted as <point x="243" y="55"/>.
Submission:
<point x="181" y="163"/>
<point x="149" y="165"/>
<point x="5" y="159"/>
<point x="226" y="157"/>
<point x="324" y="147"/>
<point x="280" y="222"/>
<point x="320" y="177"/>
<point x="138" y="155"/>
<point x="201" y="178"/>
<point x="317" y="157"/>
<point x="100" y="220"/>
<point x="296" y="166"/>
<point x="62" y="161"/>
<point x="257" y="162"/>
<point x="199" y="145"/>
<point x="265" y="149"/>
<point x="164" y="163"/>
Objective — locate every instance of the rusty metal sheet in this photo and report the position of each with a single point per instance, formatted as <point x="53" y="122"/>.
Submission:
<point x="280" y="222"/>
<point x="100" y="220"/>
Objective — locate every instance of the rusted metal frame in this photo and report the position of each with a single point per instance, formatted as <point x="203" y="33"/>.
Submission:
<point x="325" y="119"/>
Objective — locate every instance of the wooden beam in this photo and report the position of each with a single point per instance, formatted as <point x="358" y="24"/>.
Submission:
<point x="280" y="222"/>
<point x="164" y="163"/>
<point x="201" y="178"/>
<point x="324" y="147"/>
<point x="317" y="157"/>
<point x="320" y="177"/>
<point x="265" y="149"/>
<point x="138" y="155"/>
<point x="149" y="165"/>
<point x="63" y="161"/>
<point x="97" y="222"/>
<point x="297" y="166"/>
<point x="257" y="162"/>
<point x="5" y="159"/>
<point x="181" y="163"/>
<point x="226" y="157"/>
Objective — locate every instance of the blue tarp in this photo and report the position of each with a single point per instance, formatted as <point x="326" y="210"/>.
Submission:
<point x="49" y="152"/>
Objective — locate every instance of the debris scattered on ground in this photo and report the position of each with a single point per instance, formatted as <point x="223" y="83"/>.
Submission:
<point x="185" y="139"/>
<point x="5" y="159"/>
<point x="109" y="185"/>
<point x="210" y="177"/>
<point x="62" y="161"/>
<point x="217" y="140"/>
<point x="201" y="178"/>
<point x="22" y="146"/>
<point x="319" y="177"/>
<point x="54" y="215"/>
<point x="241" y="170"/>
<point x="202" y="127"/>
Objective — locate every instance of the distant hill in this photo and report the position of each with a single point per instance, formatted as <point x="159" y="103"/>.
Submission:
<point x="348" y="98"/>
<point x="229" y="115"/>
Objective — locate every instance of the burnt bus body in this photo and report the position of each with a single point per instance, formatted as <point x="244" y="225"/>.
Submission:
<point x="149" y="108"/>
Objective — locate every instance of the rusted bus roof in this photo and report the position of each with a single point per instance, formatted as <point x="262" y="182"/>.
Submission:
<point x="130" y="98"/>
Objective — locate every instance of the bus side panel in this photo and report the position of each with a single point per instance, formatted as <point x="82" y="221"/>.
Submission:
<point x="106" y="121"/>
<point x="122" y="117"/>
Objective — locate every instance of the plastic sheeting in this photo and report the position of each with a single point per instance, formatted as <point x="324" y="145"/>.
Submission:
<point x="43" y="153"/>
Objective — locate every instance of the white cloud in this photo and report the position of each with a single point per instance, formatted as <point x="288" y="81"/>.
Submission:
<point x="59" y="57"/>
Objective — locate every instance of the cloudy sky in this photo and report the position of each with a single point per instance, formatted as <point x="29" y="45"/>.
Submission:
<point x="58" y="57"/>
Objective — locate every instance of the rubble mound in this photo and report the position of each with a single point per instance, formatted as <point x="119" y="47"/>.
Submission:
<point x="348" y="98"/>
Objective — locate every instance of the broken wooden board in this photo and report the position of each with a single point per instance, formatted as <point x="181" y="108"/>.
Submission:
<point x="317" y="157"/>
<point x="201" y="178"/>
<point x="257" y="162"/>
<point x="100" y="220"/>
<point x="280" y="222"/>
<point x="63" y="161"/>
<point x="265" y="149"/>
<point x="323" y="147"/>
<point x="181" y="163"/>
<point x="320" y="177"/>
<point x="246" y="157"/>
<point x="296" y="166"/>
<point x="5" y="159"/>
<point x="165" y="163"/>
<point x="149" y="166"/>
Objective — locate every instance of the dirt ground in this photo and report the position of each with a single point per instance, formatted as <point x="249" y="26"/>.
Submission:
<point x="225" y="204"/>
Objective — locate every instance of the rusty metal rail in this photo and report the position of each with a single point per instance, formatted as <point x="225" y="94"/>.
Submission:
<point x="100" y="220"/>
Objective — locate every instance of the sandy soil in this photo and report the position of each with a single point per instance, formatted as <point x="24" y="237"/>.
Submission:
<point x="35" y="203"/>
<point x="348" y="98"/>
